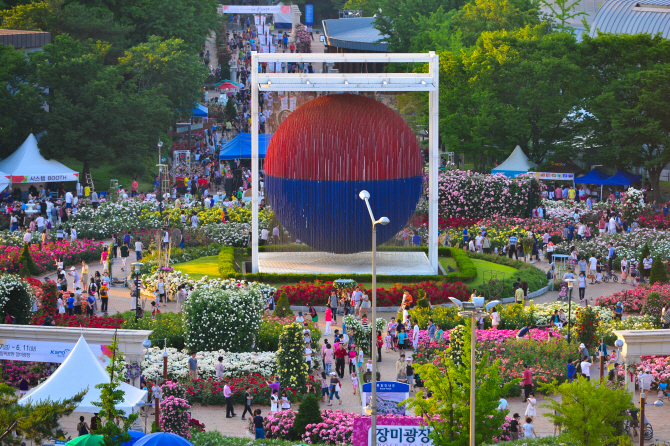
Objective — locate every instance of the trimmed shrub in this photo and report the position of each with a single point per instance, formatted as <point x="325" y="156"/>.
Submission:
<point x="227" y="263"/>
<point x="282" y="306"/>
<point x="28" y="267"/>
<point x="659" y="272"/>
<point x="308" y="413"/>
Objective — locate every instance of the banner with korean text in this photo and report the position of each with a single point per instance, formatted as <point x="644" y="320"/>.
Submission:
<point x="389" y="394"/>
<point x="392" y="431"/>
<point x="45" y="351"/>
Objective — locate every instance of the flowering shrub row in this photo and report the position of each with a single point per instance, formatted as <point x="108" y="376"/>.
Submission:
<point x="80" y="321"/>
<point x="317" y="293"/>
<point x="473" y="195"/>
<point x="644" y="299"/>
<point x="45" y="257"/>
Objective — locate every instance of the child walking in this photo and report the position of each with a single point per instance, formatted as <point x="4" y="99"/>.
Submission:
<point x="354" y="382"/>
<point x="388" y="339"/>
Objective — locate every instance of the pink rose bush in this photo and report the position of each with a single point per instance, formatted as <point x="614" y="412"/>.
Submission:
<point x="474" y="195"/>
<point x="175" y="416"/>
<point x="45" y="258"/>
<point x="636" y="300"/>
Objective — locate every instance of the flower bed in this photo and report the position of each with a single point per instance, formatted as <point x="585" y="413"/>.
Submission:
<point x="236" y="364"/>
<point x="659" y="367"/>
<point x="81" y="321"/>
<point x="635" y="300"/>
<point x="317" y="293"/>
<point x="35" y="372"/>
<point x="45" y="258"/>
<point x="176" y="278"/>
<point x="500" y="230"/>
<point x="627" y="244"/>
<point x="513" y="353"/>
<point x="473" y="195"/>
<point x="210" y="391"/>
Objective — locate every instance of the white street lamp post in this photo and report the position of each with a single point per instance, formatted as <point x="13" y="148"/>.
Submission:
<point x="473" y="310"/>
<point x="365" y="196"/>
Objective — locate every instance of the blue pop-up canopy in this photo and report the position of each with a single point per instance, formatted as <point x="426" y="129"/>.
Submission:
<point x="200" y="111"/>
<point x="596" y="176"/>
<point x="240" y="147"/>
<point x="623" y="178"/>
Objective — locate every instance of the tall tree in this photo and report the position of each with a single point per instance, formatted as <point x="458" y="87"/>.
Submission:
<point x="36" y="421"/>
<point x="95" y="114"/>
<point x="395" y="19"/>
<point x="536" y="79"/>
<point x="21" y="111"/>
<point x="448" y="409"/>
<point x="628" y="121"/>
<point x="588" y="411"/>
<point x="167" y="67"/>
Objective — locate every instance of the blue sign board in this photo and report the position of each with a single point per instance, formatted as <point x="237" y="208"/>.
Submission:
<point x="387" y="386"/>
<point x="309" y="15"/>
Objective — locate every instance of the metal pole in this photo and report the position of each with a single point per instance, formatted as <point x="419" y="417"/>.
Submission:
<point x="433" y="163"/>
<point x="165" y="356"/>
<point x="643" y="398"/>
<point x="373" y="393"/>
<point x="157" y="409"/>
<point x="472" y="380"/>
<point x="602" y="366"/>
<point x="569" y="313"/>
<point x="254" y="162"/>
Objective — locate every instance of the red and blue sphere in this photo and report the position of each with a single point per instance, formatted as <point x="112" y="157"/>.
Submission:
<point x="324" y="154"/>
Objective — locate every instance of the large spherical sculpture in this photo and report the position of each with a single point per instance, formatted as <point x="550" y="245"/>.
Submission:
<point x="324" y="154"/>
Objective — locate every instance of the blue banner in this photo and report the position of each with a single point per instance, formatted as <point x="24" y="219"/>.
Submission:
<point x="309" y="15"/>
<point x="387" y="386"/>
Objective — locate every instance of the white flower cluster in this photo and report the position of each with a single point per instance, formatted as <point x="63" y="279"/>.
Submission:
<point x="223" y="314"/>
<point x="9" y="283"/>
<point x="175" y="278"/>
<point x="236" y="364"/>
<point x="362" y="334"/>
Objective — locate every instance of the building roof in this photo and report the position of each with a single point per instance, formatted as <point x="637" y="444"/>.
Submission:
<point x="354" y="34"/>
<point x="633" y="17"/>
<point x="24" y="39"/>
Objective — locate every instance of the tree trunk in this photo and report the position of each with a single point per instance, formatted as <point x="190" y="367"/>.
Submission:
<point x="655" y="176"/>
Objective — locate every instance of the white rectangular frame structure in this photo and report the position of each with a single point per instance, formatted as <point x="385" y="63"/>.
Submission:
<point x="396" y="82"/>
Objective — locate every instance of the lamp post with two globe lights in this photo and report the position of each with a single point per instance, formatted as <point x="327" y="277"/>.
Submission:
<point x="473" y="310"/>
<point x="365" y="196"/>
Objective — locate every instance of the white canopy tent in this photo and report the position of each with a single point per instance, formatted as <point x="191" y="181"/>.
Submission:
<point x="81" y="369"/>
<point x="27" y="165"/>
<point x="4" y="181"/>
<point x="516" y="164"/>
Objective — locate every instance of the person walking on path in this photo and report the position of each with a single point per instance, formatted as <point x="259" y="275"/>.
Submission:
<point x="415" y="335"/>
<point x="329" y="318"/>
<point x="228" y="395"/>
<point x="333" y="306"/>
<point x="328" y="358"/>
<point x="527" y="382"/>
<point x="531" y="404"/>
<point x="247" y="402"/>
<point x="340" y="354"/>
<point x="335" y="388"/>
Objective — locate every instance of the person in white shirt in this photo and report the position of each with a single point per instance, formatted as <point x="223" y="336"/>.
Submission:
<point x="138" y="250"/>
<point x="39" y="221"/>
<point x="586" y="368"/>
<point x="415" y="335"/>
<point x="27" y="237"/>
<point x="73" y="234"/>
<point x="612" y="225"/>
<point x="592" y="265"/>
<point x="478" y="242"/>
<point x="208" y="202"/>
<point x="68" y="200"/>
<point x="219" y="369"/>
<point x="471" y="246"/>
<point x="264" y="236"/>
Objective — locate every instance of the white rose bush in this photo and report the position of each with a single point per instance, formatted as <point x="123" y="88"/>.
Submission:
<point x="228" y="319"/>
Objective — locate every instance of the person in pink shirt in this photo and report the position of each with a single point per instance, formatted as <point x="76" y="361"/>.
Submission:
<point x="329" y="320"/>
<point x="228" y="394"/>
<point x="559" y="193"/>
<point x="328" y="358"/>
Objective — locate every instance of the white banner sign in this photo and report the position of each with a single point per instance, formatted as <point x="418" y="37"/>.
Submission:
<point x="45" y="351"/>
<point x="284" y="102"/>
<point x="292" y="102"/>
<point x="236" y="9"/>
<point x="43" y="178"/>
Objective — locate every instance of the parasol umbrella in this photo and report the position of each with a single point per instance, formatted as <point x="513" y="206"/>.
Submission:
<point x="163" y="439"/>
<point x="86" y="440"/>
<point x="226" y="86"/>
<point x="134" y="437"/>
<point x="237" y="84"/>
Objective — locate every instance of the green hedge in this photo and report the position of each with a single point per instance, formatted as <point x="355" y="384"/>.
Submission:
<point x="467" y="271"/>
<point x="535" y="277"/>
<point x="227" y="263"/>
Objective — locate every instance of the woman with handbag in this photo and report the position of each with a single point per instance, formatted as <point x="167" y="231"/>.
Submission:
<point x="335" y="387"/>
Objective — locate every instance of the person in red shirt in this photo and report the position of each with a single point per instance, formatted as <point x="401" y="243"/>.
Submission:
<point x="340" y="354"/>
<point x="527" y="382"/>
<point x="134" y="185"/>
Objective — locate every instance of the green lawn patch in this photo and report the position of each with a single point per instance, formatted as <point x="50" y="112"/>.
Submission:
<point x="449" y="261"/>
<point x="103" y="173"/>
<point x="204" y="266"/>
<point x="483" y="265"/>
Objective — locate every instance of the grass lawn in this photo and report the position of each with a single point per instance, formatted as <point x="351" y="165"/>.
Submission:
<point x="204" y="266"/>
<point x="483" y="265"/>
<point x="448" y="261"/>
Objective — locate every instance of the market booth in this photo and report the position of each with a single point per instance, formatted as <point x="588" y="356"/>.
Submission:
<point x="27" y="165"/>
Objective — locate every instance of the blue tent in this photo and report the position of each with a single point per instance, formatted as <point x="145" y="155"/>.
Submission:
<point x="596" y="176"/>
<point x="240" y="147"/>
<point x="623" y="178"/>
<point x="200" y="111"/>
